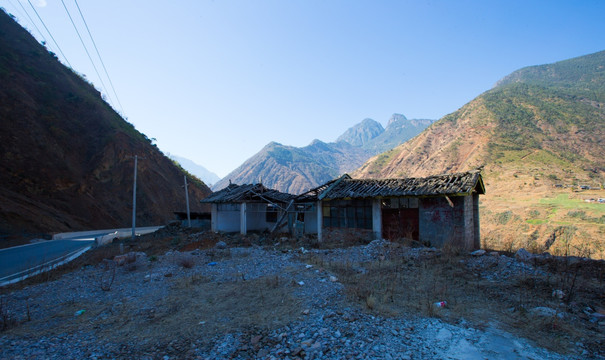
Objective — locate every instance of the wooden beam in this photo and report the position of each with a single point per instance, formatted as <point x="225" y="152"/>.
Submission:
<point x="449" y="201"/>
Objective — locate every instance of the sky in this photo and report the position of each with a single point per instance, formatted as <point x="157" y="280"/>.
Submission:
<point x="215" y="81"/>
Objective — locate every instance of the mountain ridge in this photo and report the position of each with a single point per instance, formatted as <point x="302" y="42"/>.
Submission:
<point x="67" y="156"/>
<point x="295" y="170"/>
<point x="535" y="139"/>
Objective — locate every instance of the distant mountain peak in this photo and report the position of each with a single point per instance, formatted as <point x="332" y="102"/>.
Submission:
<point x="362" y="132"/>
<point x="396" y="118"/>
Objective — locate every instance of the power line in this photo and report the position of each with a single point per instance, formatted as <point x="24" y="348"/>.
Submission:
<point x="49" y="33"/>
<point x="86" y="49"/>
<point x="98" y="54"/>
<point x="29" y="17"/>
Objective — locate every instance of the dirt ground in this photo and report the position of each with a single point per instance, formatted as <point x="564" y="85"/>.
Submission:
<point x="557" y="303"/>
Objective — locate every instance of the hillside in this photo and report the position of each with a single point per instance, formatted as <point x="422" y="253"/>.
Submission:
<point x="295" y="170"/>
<point x="537" y="131"/>
<point x="67" y="156"/>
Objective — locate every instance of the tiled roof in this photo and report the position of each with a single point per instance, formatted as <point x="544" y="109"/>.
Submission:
<point x="247" y="192"/>
<point x="437" y="185"/>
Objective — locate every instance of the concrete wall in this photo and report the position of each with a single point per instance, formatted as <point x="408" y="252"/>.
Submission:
<point x="228" y="217"/>
<point x="441" y="224"/>
<point x="227" y="220"/>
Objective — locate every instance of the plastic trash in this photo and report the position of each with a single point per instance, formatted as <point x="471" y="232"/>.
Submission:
<point x="212" y="263"/>
<point x="440" y="304"/>
<point x="79" y="312"/>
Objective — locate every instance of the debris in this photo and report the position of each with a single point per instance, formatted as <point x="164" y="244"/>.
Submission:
<point x="305" y="312"/>
<point x="333" y="278"/>
<point x="543" y="311"/>
<point x="212" y="263"/>
<point x="301" y="283"/>
<point x="79" y="312"/>
<point x="308" y="266"/>
<point x="559" y="294"/>
<point x="479" y="252"/>
<point x="440" y="304"/>
<point x="221" y="245"/>
<point x="523" y="255"/>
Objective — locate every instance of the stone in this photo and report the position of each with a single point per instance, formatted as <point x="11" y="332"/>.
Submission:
<point x="333" y="279"/>
<point x="221" y="245"/>
<point x="523" y="255"/>
<point x="479" y="252"/>
<point x="543" y="311"/>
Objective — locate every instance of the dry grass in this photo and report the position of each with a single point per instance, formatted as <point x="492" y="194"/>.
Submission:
<point x="398" y="286"/>
<point x="195" y="309"/>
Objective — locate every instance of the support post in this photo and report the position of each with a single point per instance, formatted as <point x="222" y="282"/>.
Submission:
<point x="377" y="219"/>
<point x="214" y="218"/>
<point x="242" y="219"/>
<point x="319" y="220"/>
<point x="187" y="200"/>
<point x="134" y="198"/>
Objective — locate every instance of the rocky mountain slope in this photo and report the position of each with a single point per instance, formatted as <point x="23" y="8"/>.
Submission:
<point x="67" y="156"/>
<point x="295" y="170"/>
<point x="538" y="133"/>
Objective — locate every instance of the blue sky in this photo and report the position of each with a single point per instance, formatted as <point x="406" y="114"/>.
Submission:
<point x="215" y="81"/>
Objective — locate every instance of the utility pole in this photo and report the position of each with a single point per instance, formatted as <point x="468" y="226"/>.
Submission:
<point x="187" y="200"/>
<point x="134" y="198"/>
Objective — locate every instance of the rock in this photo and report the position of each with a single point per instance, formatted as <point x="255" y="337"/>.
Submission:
<point x="333" y="279"/>
<point x="543" y="311"/>
<point x="494" y="253"/>
<point x="479" y="252"/>
<point x="305" y="312"/>
<point x="523" y="255"/>
<point x="559" y="294"/>
<point x="255" y="339"/>
<point x="221" y="245"/>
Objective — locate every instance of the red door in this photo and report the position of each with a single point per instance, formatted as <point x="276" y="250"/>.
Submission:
<point x="400" y="223"/>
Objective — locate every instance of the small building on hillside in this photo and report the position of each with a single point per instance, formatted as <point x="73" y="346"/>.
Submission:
<point x="248" y="207"/>
<point x="435" y="210"/>
<point x="196" y="219"/>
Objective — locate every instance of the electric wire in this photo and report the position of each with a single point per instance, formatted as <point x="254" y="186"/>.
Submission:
<point x="86" y="49"/>
<point x="29" y="17"/>
<point x="49" y="33"/>
<point x="99" y="55"/>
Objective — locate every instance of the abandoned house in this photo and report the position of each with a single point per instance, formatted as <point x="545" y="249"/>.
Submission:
<point x="434" y="210"/>
<point x="248" y="207"/>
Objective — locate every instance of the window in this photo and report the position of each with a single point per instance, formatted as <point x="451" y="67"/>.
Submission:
<point x="271" y="213"/>
<point x="353" y="214"/>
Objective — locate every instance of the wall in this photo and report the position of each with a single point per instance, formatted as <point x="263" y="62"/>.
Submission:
<point x="441" y="224"/>
<point x="228" y="217"/>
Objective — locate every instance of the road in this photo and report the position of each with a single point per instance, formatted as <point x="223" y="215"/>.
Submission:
<point x="19" y="262"/>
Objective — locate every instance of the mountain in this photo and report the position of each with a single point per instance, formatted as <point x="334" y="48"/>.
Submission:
<point x="360" y="134"/>
<point x="295" y="170"/>
<point x="67" y="156"/>
<point x="538" y="132"/>
<point x="399" y="130"/>
<point x="207" y="176"/>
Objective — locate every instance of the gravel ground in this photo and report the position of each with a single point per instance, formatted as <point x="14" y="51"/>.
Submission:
<point x="325" y="325"/>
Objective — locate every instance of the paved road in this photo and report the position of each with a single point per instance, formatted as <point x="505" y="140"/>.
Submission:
<point x="18" y="262"/>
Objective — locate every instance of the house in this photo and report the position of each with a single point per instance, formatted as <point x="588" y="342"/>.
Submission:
<point x="196" y="219"/>
<point x="435" y="210"/>
<point x="248" y="207"/>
